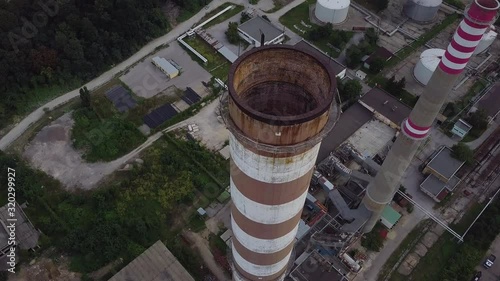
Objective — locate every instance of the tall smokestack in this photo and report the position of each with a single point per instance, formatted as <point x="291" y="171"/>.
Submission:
<point x="280" y="106"/>
<point x="478" y="17"/>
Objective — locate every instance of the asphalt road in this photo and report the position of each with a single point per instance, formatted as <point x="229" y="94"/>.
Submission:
<point x="493" y="273"/>
<point x="33" y="117"/>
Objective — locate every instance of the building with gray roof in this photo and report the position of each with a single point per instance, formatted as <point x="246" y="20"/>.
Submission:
<point x="252" y="30"/>
<point x="157" y="263"/>
<point x="386" y="107"/>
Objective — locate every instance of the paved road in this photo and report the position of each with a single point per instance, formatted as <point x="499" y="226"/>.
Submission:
<point x="492" y="274"/>
<point x="206" y="255"/>
<point x="22" y="126"/>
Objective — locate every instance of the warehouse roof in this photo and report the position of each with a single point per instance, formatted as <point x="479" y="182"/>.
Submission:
<point x="490" y="102"/>
<point x="387" y="105"/>
<point x="444" y="163"/>
<point x="306" y="46"/>
<point x="157" y="263"/>
<point x="382" y="53"/>
<point x="255" y="26"/>
<point x="165" y="65"/>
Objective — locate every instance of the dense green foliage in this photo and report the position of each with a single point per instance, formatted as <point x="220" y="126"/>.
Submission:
<point x="373" y="240"/>
<point x="479" y="122"/>
<point x="85" y="97"/>
<point x="367" y="46"/>
<point x="232" y="33"/>
<point x="350" y="90"/>
<point x="395" y="87"/>
<point x="381" y="4"/>
<point x="477" y="242"/>
<point x="46" y="43"/>
<point x="338" y="38"/>
<point x="103" y="140"/>
<point x="123" y="218"/>
<point x="376" y="65"/>
<point x="463" y="153"/>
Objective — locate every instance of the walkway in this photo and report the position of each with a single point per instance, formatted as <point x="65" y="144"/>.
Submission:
<point x="206" y="255"/>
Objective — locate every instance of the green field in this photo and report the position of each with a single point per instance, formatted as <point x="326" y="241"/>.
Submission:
<point x="217" y="65"/>
<point x="295" y="16"/>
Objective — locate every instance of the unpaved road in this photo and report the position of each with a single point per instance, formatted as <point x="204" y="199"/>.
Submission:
<point x="206" y="255"/>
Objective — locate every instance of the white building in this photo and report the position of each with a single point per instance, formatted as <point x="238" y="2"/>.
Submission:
<point x="252" y="30"/>
<point x="166" y="67"/>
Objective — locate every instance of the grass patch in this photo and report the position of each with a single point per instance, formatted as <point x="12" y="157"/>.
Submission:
<point x="407" y="244"/>
<point x="103" y="140"/>
<point x="476" y="88"/>
<point x="455" y="3"/>
<point x="197" y="223"/>
<point x="300" y="14"/>
<point x="228" y="14"/>
<point x="217" y="243"/>
<point x="217" y="65"/>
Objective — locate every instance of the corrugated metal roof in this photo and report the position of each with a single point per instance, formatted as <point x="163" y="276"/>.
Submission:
<point x="157" y="263"/>
<point x="228" y="54"/>
<point x="165" y="65"/>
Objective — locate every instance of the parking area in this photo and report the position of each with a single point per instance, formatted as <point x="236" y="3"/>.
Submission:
<point x="146" y="80"/>
<point x="493" y="273"/>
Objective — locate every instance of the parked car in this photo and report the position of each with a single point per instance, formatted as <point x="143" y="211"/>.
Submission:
<point x="489" y="261"/>
<point x="477" y="276"/>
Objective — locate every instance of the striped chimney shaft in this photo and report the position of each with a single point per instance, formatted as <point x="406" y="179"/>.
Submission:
<point x="279" y="107"/>
<point x="478" y="17"/>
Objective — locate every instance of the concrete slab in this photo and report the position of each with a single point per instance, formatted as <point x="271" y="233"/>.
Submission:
<point x="412" y="260"/>
<point x="146" y="80"/>
<point x="420" y="249"/>
<point x="429" y="239"/>
<point x="404" y="269"/>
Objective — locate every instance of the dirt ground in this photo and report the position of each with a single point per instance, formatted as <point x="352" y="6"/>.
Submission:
<point x="212" y="133"/>
<point x="52" y="152"/>
<point x="44" y="269"/>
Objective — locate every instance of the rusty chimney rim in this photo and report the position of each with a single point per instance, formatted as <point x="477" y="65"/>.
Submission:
<point x="319" y="95"/>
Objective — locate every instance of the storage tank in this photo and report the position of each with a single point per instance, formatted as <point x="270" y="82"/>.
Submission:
<point x="486" y="41"/>
<point x="332" y="11"/>
<point x="429" y="60"/>
<point x="421" y="10"/>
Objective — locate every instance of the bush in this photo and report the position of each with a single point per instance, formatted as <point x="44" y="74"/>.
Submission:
<point x="244" y="17"/>
<point x="232" y="33"/>
<point x="479" y="122"/>
<point x="463" y="153"/>
<point x="350" y="90"/>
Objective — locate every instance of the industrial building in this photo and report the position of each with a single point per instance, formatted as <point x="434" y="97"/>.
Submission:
<point x="427" y="64"/>
<point x="440" y="171"/>
<point x="253" y="30"/>
<point x="271" y="165"/>
<point x="381" y="53"/>
<point x="337" y="67"/>
<point x="166" y="67"/>
<point x="157" y="263"/>
<point x="461" y="128"/>
<point x="477" y="18"/>
<point x="385" y="107"/>
<point x="490" y="102"/>
<point x="332" y="11"/>
<point x="421" y="10"/>
<point x="25" y="234"/>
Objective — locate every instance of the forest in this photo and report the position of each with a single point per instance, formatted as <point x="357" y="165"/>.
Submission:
<point x="48" y="46"/>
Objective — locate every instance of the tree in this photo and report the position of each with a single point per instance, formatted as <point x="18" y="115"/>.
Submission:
<point x="232" y="33"/>
<point x="395" y="87"/>
<point x="354" y="56"/>
<point x="85" y="97"/>
<point x="377" y="65"/>
<point x="351" y="90"/>
<point x="382" y="4"/>
<point x="463" y="153"/>
<point x="244" y="17"/>
<point x="479" y="122"/>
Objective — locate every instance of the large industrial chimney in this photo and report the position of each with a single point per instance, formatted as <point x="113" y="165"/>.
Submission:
<point x="280" y="105"/>
<point x="478" y="17"/>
